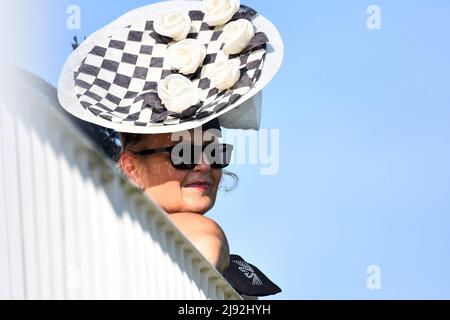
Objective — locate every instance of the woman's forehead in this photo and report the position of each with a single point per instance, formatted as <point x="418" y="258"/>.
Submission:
<point x="168" y="139"/>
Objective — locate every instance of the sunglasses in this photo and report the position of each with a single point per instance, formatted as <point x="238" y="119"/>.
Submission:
<point x="185" y="156"/>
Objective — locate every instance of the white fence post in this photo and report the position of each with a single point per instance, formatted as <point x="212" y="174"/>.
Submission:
<point x="71" y="227"/>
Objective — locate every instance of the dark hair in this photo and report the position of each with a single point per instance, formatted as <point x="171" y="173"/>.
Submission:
<point x="105" y="139"/>
<point x="128" y="140"/>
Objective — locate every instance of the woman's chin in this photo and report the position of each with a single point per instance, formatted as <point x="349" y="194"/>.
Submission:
<point x="199" y="204"/>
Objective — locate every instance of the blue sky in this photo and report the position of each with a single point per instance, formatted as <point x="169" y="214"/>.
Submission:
<point x="364" y="175"/>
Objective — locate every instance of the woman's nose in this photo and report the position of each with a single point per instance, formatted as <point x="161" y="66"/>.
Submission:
<point x="203" y="164"/>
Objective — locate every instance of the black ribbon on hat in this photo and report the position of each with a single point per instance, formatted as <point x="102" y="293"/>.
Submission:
<point x="245" y="12"/>
<point x="212" y="124"/>
<point x="258" y="41"/>
<point x="247" y="279"/>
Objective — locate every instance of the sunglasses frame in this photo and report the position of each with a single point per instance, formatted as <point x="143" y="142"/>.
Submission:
<point x="193" y="147"/>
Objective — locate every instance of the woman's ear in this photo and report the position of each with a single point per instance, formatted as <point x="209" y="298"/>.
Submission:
<point x="130" y="167"/>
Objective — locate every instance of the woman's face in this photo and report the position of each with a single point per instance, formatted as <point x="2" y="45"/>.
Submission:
<point x="171" y="188"/>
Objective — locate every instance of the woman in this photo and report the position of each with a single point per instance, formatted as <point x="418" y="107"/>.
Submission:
<point x="157" y="75"/>
<point x="185" y="194"/>
<point x="187" y="190"/>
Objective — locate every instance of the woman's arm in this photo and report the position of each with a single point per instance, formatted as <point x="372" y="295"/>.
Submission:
<point x="206" y="235"/>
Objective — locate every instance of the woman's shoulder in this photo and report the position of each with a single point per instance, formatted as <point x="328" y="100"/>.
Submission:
<point x="247" y="279"/>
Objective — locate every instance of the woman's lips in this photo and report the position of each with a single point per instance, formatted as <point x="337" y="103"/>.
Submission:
<point x="199" y="185"/>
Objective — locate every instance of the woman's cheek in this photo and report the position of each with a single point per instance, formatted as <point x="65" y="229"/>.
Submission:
<point x="160" y="172"/>
<point x="164" y="185"/>
<point x="217" y="176"/>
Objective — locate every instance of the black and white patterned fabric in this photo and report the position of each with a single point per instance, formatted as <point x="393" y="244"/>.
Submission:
<point x="117" y="80"/>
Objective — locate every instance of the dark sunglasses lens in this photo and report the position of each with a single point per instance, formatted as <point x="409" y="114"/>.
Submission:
<point x="186" y="157"/>
<point x="179" y="160"/>
<point x="219" y="155"/>
<point x="184" y="166"/>
<point x="182" y="156"/>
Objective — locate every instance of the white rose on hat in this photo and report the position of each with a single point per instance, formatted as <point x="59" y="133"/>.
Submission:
<point x="177" y="93"/>
<point x="225" y="73"/>
<point x="219" y="12"/>
<point x="236" y="36"/>
<point x="175" y="25"/>
<point x="187" y="55"/>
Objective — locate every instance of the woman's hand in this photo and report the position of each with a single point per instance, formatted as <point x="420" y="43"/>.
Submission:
<point x="206" y="235"/>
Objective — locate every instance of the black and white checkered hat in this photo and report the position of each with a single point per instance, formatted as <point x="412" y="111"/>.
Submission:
<point x="112" y="78"/>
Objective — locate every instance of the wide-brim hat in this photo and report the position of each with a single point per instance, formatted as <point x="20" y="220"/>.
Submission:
<point x="114" y="78"/>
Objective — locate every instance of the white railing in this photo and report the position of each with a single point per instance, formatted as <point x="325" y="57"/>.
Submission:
<point x="71" y="227"/>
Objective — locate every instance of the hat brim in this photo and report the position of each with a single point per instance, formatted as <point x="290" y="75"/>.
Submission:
<point x="68" y="97"/>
